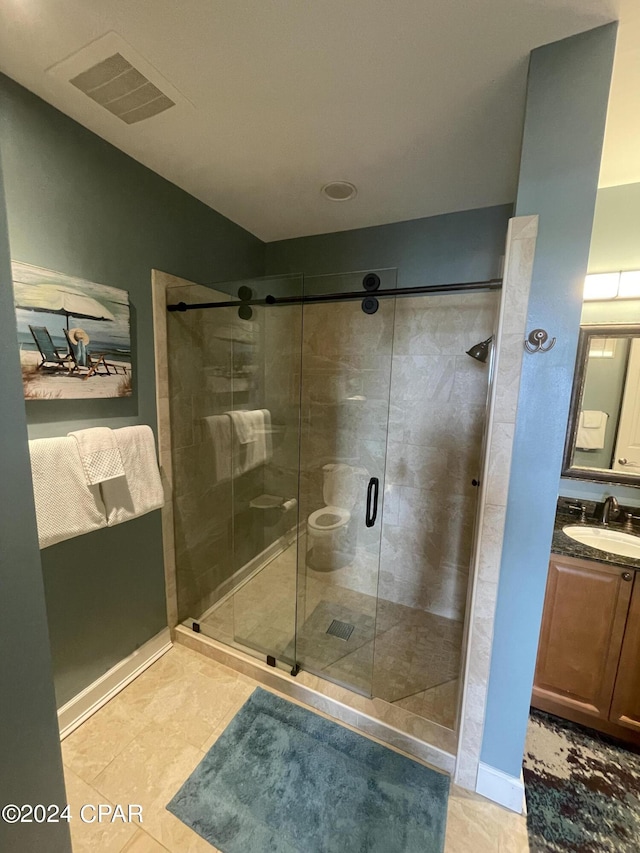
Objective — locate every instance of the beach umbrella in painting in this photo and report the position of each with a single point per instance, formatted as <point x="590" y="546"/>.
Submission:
<point x="52" y="299"/>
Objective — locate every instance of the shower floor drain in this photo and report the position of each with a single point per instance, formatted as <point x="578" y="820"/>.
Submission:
<point x="343" y="630"/>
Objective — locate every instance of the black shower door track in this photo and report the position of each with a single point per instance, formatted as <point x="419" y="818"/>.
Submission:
<point x="489" y="284"/>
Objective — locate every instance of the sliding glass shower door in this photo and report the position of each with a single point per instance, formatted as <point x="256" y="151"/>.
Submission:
<point x="285" y="427"/>
<point x="292" y="418"/>
<point x="266" y="476"/>
<point x="346" y="378"/>
<point x="235" y="413"/>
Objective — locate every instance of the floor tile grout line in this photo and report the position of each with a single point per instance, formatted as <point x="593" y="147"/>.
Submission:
<point x="119" y="752"/>
<point x="426" y="690"/>
<point x="130" y="841"/>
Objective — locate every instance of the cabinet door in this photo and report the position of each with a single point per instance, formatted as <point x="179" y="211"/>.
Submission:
<point x="583" y="623"/>
<point x="625" y="708"/>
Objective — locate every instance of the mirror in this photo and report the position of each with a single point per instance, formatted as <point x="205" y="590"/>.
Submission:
<point x="603" y="434"/>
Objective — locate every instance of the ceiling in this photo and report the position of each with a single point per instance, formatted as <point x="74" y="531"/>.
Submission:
<point x="419" y="103"/>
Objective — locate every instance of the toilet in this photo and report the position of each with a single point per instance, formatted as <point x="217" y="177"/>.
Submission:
<point x="330" y="545"/>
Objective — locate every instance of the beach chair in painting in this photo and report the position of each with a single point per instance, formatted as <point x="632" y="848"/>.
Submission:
<point x="49" y="355"/>
<point x="86" y="363"/>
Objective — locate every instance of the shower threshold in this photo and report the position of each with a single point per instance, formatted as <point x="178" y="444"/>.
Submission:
<point x="418" y="737"/>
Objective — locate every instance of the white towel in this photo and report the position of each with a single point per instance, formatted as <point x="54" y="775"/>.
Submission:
<point x="248" y="426"/>
<point x="218" y="428"/>
<point x="66" y="506"/>
<point x="592" y="429"/>
<point x="251" y="454"/>
<point x="592" y="419"/>
<point x="99" y="453"/>
<point x="140" y="490"/>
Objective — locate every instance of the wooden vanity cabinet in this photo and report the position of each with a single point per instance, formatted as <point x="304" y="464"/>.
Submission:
<point x="588" y="666"/>
<point x="625" y="708"/>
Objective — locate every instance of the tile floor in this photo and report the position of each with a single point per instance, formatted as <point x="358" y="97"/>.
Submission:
<point x="142" y="745"/>
<point x="403" y="655"/>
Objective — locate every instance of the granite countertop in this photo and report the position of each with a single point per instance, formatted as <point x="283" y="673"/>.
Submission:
<point x="563" y="544"/>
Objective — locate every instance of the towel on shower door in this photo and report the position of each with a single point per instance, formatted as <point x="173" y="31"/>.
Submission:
<point x="66" y="506"/>
<point x="99" y="453"/>
<point x="218" y="428"/>
<point x="251" y="439"/>
<point x="140" y="490"/>
<point x="592" y="428"/>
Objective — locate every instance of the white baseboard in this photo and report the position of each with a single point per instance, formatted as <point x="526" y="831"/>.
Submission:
<point x="506" y="790"/>
<point x="97" y="694"/>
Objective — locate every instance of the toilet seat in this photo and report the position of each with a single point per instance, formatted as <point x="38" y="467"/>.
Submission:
<point x="329" y="518"/>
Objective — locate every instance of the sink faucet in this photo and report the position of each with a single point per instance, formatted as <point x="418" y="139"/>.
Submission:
<point x="609" y="506"/>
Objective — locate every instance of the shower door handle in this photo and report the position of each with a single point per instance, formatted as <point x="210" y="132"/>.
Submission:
<point x="372" y="502"/>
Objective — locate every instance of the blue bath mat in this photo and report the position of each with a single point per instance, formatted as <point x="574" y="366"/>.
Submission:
<point x="281" y="779"/>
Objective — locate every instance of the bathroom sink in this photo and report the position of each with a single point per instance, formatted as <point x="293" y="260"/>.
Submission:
<point x="613" y="541"/>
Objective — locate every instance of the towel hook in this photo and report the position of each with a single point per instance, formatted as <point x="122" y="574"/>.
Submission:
<point x="537" y="339"/>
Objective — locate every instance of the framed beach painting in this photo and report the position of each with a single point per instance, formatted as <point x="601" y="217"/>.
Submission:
<point x="74" y="335"/>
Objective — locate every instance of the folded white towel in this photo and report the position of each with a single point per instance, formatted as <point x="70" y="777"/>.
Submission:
<point x="247" y="425"/>
<point x="592" y="419"/>
<point x="218" y="428"/>
<point x="251" y="454"/>
<point x="66" y="506"/>
<point x="592" y="430"/>
<point x="140" y="490"/>
<point x="99" y="453"/>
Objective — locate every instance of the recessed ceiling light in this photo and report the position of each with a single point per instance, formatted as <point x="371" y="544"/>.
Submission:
<point x="339" y="191"/>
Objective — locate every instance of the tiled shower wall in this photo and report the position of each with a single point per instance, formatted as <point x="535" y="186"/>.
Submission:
<point x="437" y="417"/>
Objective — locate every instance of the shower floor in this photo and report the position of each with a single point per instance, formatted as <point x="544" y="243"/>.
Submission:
<point x="403" y="655"/>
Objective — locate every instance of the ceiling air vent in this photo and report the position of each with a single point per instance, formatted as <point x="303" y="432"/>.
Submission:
<point x="120" y="88"/>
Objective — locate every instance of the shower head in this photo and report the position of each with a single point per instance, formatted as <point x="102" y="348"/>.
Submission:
<point x="480" y="351"/>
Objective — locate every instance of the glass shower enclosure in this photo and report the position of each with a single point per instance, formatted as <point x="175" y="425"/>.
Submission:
<point x="292" y="542"/>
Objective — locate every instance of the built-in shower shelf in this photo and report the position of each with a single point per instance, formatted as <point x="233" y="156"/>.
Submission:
<point x="224" y="384"/>
<point x="242" y="332"/>
<point x="244" y="371"/>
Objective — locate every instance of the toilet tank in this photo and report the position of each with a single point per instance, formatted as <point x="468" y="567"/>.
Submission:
<point x="341" y="484"/>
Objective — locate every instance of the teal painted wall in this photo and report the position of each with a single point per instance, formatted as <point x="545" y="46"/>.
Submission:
<point x="463" y="246"/>
<point x="31" y="769"/>
<point x="565" y="116"/>
<point x="616" y="226"/>
<point x="78" y="205"/>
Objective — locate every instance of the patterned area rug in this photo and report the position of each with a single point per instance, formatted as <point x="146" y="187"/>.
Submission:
<point x="281" y="779"/>
<point x="583" y="790"/>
